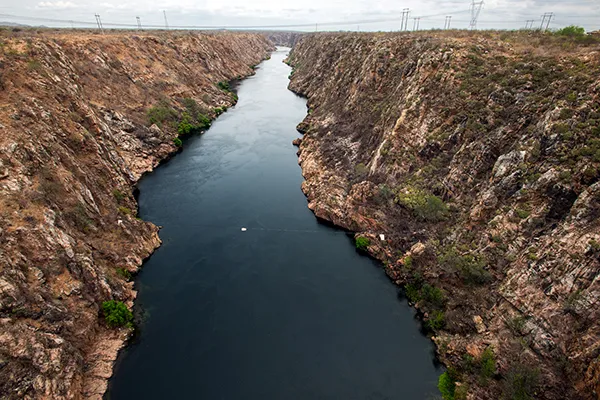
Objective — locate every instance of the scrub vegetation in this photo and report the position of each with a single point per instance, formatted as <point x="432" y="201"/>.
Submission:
<point x="116" y="314"/>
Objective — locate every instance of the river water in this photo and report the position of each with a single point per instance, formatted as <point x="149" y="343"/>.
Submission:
<point x="284" y="310"/>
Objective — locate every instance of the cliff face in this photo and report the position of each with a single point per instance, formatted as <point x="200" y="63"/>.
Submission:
<point x="478" y="157"/>
<point x="281" y="38"/>
<point x="76" y="133"/>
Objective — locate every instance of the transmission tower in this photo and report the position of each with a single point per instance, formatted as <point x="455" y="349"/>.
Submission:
<point x="475" y="10"/>
<point x="404" y="24"/>
<point x="139" y="23"/>
<point x="529" y="23"/>
<point x="416" y="21"/>
<point x="546" y="17"/>
<point x="166" y="22"/>
<point x="99" y="22"/>
<point x="447" y="22"/>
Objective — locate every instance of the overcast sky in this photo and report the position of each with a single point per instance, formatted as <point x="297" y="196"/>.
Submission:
<point x="356" y="14"/>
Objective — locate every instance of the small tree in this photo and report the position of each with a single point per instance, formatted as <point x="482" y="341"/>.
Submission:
<point x="116" y="314"/>
<point x="362" y="243"/>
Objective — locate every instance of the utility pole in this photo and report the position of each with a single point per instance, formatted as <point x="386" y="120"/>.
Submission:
<point x="475" y="10"/>
<point x="404" y="23"/>
<point x="447" y="22"/>
<point x="317" y="27"/>
<point x="546" y="17"/>
<point x="99" y="22"/>
<point x="166" y="22"/>
<point x="139" y="23"/>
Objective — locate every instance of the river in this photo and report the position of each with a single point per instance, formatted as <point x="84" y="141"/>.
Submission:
<point x="284" y="310"/>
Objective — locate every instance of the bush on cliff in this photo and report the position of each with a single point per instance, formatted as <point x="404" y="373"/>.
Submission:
<point x="447" y="384"/>
<point x="471" y="268"/>
<point x="425" y="206"/>
<point x="224" y="85"/>
<point x="177" y="142"/>
<point x="436" y="321"/>
<point x="520" y="383"/>
<point x="362" y="243"/>
<point x="161" y="114"/>
<point x="116" y="314"/>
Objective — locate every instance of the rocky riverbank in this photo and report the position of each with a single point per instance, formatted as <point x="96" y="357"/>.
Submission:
<point x="82" y="117"/>
<point x="477" y="155"/>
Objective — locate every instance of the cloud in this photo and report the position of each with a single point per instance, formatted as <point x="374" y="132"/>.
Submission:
<point x="57" y="5"/>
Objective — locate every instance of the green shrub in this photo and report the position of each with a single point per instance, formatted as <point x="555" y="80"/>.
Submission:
<point x="487" y="365"/>
<point x="412" y="292"/>
<point x="162" y="113"/>
<point x="471" y="269"/>
<point x="125" y="210"/>
<point x="521" y="213"/>
<point x="362" y="243"/>
<point x="572" y="31"/>
<point x="436" y="320"/>
<point x="361" y="171"/>
<point x="194" y="115"/>
<point x="177" y="142"/>
<point x="520" y="383"/>
<point x="185" y="128"/>
<point x="119" y="195"/>
<point x="224" y="85"/>
<point x="433" y="295"/>
<point x="425" y="206"/>
<point x="116" y="314"/>
<point x="203" y="121"/>
<point x="124" y="273"/>
<point x="447" y="384"/>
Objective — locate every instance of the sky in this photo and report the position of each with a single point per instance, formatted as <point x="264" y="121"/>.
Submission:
<point x="308" y="15"/>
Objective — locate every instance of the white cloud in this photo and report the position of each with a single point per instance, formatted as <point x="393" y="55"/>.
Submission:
<point x="57" y="5"/>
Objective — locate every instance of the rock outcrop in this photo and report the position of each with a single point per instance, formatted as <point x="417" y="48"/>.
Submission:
<point x="82" y="117"/>
<point x="477" y="155"/>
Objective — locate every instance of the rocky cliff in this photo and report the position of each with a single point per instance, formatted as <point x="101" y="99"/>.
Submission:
<point x="283" y="38"/>
<point x="82" y="117"/>
<point x="478" y="157"/>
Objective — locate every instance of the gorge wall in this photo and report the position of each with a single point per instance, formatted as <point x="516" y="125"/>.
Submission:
<point x="82" y="117"/>
<point x="477" y="156"/>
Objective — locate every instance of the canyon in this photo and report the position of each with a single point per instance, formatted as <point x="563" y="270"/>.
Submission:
<point x="468" y="163"/>
<point x="82" y="117"/>
<point x="476" y="156"/>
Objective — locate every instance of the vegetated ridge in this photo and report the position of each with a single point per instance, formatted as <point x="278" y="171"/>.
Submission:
<point x="477" y="155"/>
<point x="82" y="117"/>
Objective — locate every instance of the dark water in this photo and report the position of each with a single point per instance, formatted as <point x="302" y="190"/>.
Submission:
<point x="262" y="314"/>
